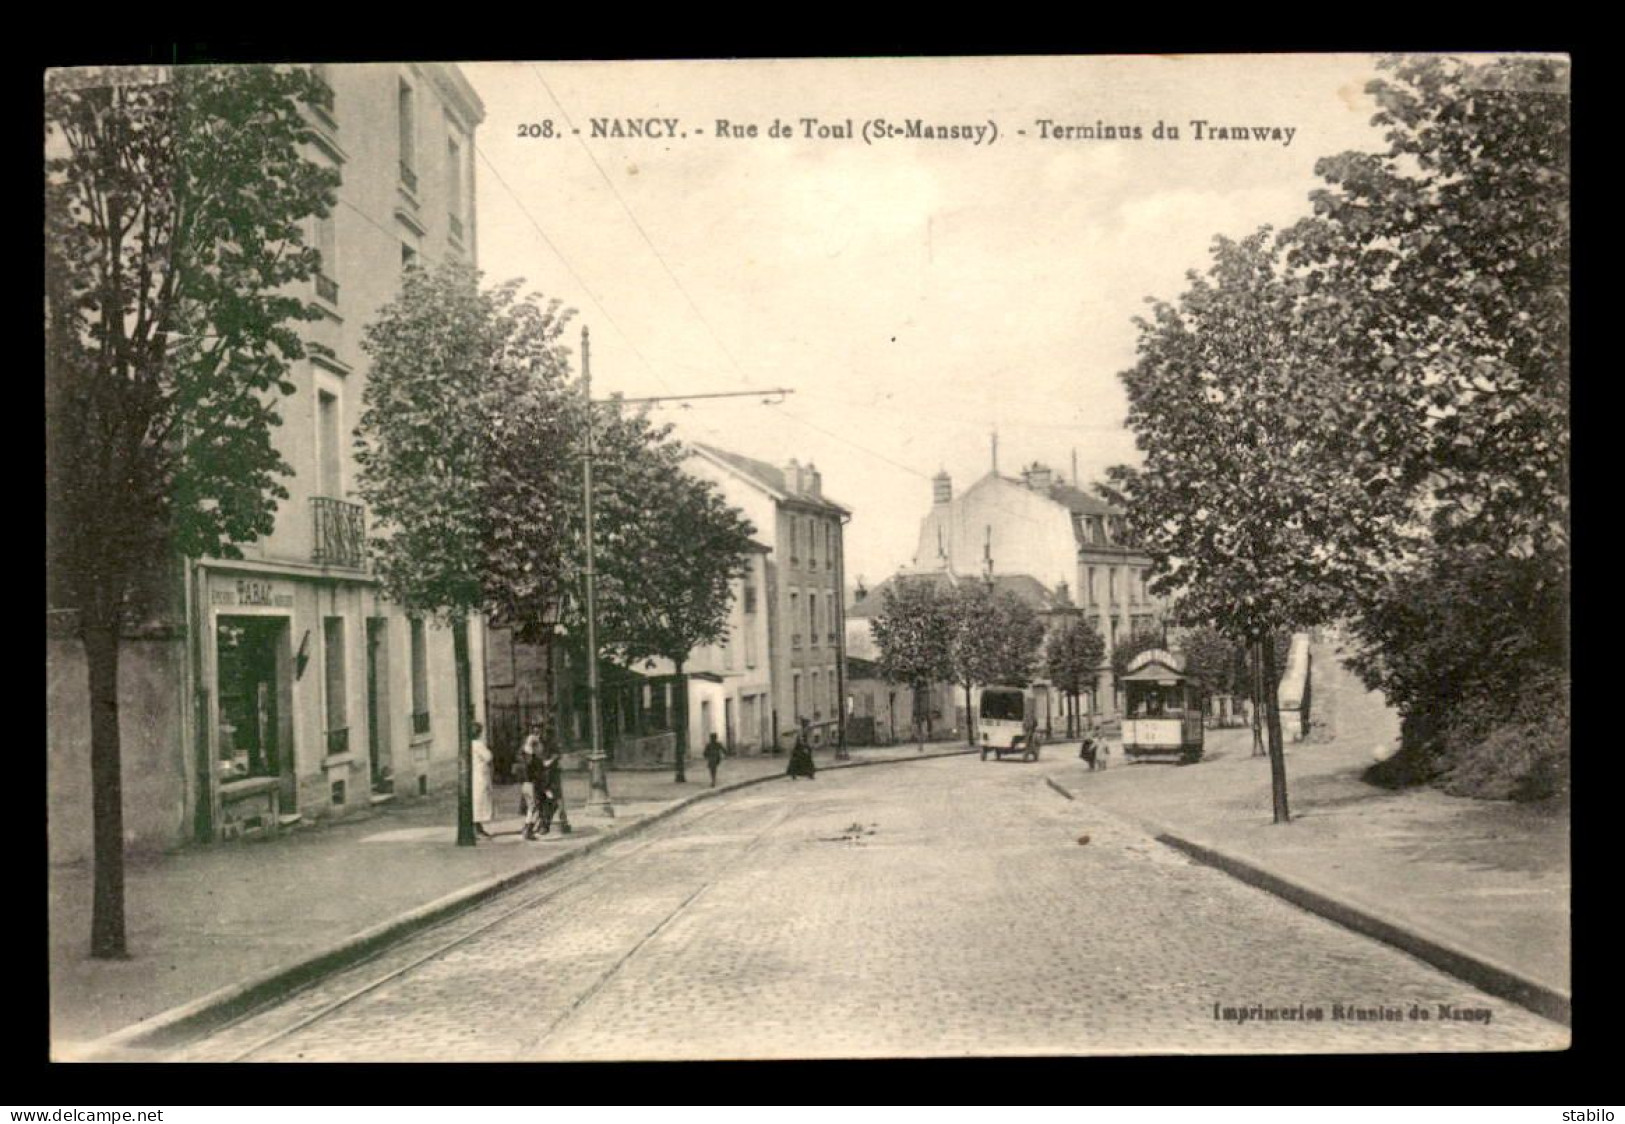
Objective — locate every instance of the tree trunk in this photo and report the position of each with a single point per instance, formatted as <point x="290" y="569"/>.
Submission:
<point x="682" y="723"/>
<point x="465" y="749"/>
<point x="101" y="643"/>
<point x="970" y="724"/>
<point x="1272" y="706"/>
<point x="1258" y="698"/>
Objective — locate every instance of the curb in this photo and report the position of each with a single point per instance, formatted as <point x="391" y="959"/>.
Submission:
<point x="1482" y="973"/>
<point x="191" y="1020"/>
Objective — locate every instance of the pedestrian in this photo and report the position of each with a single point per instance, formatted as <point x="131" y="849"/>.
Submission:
<point x="801" y="758"/>
<point x="1029" y="729"/>
<point x="527" y="767"/>
<point x="484" y="764"/>
<point x="713" y="757"/>
<point x="550" y="791"/>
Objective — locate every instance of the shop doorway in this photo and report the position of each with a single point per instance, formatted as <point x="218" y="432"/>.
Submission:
<point x="254" y="674"/>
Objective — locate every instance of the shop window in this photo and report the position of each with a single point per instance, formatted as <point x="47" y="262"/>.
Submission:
<point x="249" y="680"/>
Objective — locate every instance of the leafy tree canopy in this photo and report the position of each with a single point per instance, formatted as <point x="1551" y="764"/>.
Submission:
<point x="914" y="634"/>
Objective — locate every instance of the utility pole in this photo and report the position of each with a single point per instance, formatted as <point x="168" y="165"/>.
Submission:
<point x="598" y="799"/>
<point x="598" y="802"/>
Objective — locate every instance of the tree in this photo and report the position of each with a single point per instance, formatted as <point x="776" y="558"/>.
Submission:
<point x="174" y="202"/>
<point x="1073" y="656"/>
<point x="1244" y="501"/>
<point x="679" y="552"/>
<point x="995" y="639"/>
<point x="456" y="373"/>
<point x="914" y="635"/>
<point x="1452" y="246"/>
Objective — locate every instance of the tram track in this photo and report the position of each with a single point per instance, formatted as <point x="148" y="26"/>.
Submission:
<point x="616" y="855"/>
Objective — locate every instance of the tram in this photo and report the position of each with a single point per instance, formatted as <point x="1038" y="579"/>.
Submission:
<point x="1162" y="716"/>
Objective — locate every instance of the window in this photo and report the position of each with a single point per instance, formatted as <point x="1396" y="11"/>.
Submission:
<point x="795" y="618"/>
<point x="454" y="185"/>
<point x="338" y="721"/>
<point x="750" y="597"/>
<point x="795" y="692"/>
<point x="408" y="130"/>
<point x="325" y="239"/>
<point x="817" y="697"/>
<point x="1094" y="597"/>
<point x="812" y="619"/>
<point x="795" y="540"/>
<point x="1111" y="583"/>
<point x="420" y="678"/>
<point x="327" y="436"/>
<point x="812" y="545"/>
<point x="409" y="255"/>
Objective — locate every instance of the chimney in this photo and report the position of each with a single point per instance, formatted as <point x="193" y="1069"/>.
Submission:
<point x="942" y="488"/>
<point x="1074" y="468"/>
<point x="792" y="477"/>
<point x="814" y="481"/>
<point x="1063" y="594"/>
<point x="1038" y="477"/>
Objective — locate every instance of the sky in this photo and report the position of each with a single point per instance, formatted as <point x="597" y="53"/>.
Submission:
<point x="917" y="295"/>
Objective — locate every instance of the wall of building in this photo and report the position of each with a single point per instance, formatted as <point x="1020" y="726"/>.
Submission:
<point x="151" y="702"/>
<point x="1031" y="533"/>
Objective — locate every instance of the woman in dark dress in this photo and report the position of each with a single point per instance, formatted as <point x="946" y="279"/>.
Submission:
<point x="801" y="758"/>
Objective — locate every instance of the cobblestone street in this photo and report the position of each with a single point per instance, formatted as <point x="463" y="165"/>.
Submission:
<point x="941" y="908"/>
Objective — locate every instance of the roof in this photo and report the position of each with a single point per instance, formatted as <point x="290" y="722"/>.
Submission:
<point x="870" y="605"/>
<point x="1080" y="502"/>
<point x="1023" y="586"/>
<point x="767" y="476"/>
<point x="1155" y="665"/>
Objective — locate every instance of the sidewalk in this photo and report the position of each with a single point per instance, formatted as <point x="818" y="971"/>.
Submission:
<point x="1477" y="887"/>
<point x="204" y="920"/>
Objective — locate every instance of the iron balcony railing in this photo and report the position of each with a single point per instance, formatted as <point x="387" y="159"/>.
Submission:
<point x="327" y="288"/>
<point x="341" y="533"/>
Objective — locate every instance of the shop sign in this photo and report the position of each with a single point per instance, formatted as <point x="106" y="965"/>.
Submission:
<point x="252" y="592"/>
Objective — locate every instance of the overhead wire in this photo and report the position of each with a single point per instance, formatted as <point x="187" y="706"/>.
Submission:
<point x="540" y="233"/>
<point x="644" y="234"/>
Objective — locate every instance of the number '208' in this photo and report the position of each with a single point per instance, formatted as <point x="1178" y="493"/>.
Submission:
<point x="536" y="128"/>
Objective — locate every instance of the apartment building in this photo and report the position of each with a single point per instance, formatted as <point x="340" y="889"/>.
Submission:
<point x="806" y="624"/>
<point x="284" y="685"/>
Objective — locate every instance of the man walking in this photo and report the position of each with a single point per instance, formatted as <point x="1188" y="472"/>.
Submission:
<point x="713" y="757"/>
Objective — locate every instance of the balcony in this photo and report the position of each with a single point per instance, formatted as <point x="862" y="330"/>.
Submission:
<point x="327" y="288"/>
<point x="341" y="533"/>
